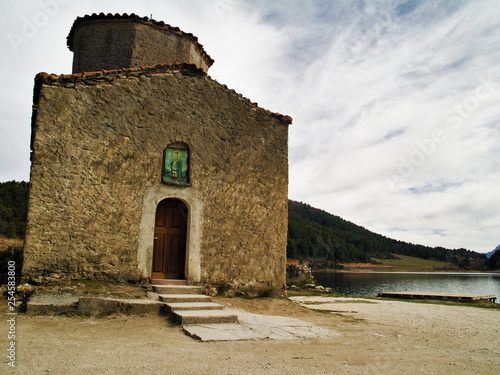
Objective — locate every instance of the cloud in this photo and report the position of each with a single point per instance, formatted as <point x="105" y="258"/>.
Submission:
<point x="376" y="108"/>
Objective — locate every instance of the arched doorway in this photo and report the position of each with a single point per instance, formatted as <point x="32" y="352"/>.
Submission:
<point x="169" y="249"/>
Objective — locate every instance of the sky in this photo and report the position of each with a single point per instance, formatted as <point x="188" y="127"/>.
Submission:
<point x="396" y="122"/>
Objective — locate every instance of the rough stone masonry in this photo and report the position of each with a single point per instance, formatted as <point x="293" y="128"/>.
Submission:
<point x="98" y="141"/>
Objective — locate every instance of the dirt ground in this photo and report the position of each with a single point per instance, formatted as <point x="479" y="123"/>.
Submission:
<point x="376" y="337"/>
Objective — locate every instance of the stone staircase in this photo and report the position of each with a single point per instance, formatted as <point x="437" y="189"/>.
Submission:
<point x="188" y="305"/>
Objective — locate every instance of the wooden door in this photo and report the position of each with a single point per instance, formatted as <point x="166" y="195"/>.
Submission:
<point x="169" y="249"/>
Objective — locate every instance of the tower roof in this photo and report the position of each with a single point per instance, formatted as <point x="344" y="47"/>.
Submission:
<point x="135" y="18"/>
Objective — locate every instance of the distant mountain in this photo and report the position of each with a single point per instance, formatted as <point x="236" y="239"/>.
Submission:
<point x="488" y="255"/>
<point x="327" y="240"/>
<point x="493" y="261"/>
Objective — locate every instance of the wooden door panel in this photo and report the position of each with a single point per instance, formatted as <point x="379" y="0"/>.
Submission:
<point x="161" y="213"/>
<point x="158" y="253"/>
<point x="173" y="266"/>
<point x="169" y="250"/>
<point x="175" y="217"/>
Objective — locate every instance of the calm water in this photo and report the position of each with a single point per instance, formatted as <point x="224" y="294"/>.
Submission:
<point x="372" y="283"/>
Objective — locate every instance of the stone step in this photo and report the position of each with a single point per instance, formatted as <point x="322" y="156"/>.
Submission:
<point x="178" y="306"/>
<point x="204" y="317"/>
<point x="171" y="298"/>
<point x="169" y="282"/>
<point x="176" y="289"/>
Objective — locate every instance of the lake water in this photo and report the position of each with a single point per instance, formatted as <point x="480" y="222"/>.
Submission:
<point x="372" y="283"/>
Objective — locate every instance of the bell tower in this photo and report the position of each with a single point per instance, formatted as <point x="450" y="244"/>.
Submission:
<point x="107" y="41"/>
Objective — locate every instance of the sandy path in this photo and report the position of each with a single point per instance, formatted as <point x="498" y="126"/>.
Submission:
<point x="375" y="338"/>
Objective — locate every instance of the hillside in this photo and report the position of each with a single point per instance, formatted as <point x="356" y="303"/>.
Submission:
<point x="13" y="208"/>
<point x="327" y="240"/>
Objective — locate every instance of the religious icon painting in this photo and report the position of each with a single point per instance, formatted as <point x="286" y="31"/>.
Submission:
<point x="175" y="165"/>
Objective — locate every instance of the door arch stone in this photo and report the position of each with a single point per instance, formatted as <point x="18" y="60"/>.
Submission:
<point x="152" y="197"/>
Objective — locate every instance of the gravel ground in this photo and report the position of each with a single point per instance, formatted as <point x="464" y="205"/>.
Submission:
<point x="375" y="337"/>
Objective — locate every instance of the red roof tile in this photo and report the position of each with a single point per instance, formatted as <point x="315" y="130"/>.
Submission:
<point x="184" y="68"/>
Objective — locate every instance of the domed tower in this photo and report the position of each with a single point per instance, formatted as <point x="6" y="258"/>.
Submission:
<point x="107" y="41"/>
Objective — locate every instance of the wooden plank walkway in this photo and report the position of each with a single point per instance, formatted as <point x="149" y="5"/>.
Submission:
<point x="442" y="296"/>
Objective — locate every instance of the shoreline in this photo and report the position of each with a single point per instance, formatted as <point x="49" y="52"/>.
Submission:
<point x="364" y="270"/>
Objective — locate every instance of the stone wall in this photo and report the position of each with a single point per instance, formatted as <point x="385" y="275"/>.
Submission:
<point x="108" y="42"/>
<point x="96" y="163"/>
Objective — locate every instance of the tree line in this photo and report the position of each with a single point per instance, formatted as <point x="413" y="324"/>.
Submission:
<point x="327" y="240"/>
<point x="13" y="208"/>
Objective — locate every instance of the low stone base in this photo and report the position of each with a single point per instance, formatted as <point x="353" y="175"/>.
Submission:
<point x="52" y="304"/>
<point x="97" y="305"/>
<point x="52" y="308"/>
<point x="93" y="306"/>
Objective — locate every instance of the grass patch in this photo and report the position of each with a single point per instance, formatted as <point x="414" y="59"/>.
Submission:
<point x="331" y="311"/>
<point x="414" y="264"/>
<point x="316" y="303"/>
<point x="107" y="315"/>
<point x="324" y="311"/>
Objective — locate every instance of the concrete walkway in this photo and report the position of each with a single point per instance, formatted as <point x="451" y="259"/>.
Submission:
<point x="257" y="327"/>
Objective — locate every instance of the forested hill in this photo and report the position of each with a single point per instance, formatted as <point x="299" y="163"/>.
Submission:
<point x="13" y="207"/>
<point x="316" y="235"/>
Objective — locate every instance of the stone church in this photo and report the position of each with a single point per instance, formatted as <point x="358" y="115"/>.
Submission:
<point x="143" y="167"/>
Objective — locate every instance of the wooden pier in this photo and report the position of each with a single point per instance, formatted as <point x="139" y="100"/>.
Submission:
<point x="440" y="296"/>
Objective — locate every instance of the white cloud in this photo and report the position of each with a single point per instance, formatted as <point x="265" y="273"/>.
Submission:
<point x="384" y="102"/>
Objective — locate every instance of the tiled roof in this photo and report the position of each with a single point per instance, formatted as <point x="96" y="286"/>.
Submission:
<point x="90" y="78"/>
<point x="107" y="76"/>
<point x="133" y="17"/>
